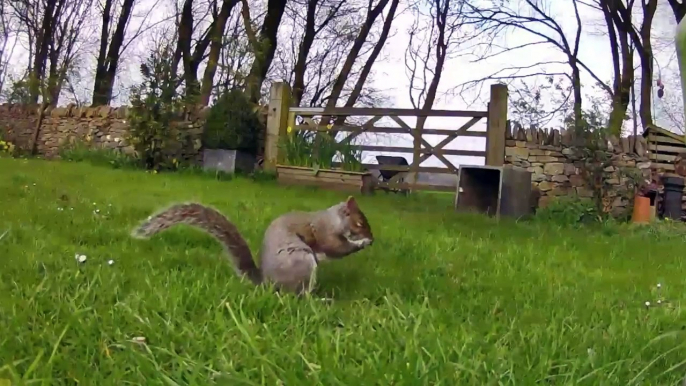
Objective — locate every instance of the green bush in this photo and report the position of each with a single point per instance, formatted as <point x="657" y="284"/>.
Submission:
<point x="155" y="106"/>
<point x="570" y="211"/>
<point x="232" y="124"/>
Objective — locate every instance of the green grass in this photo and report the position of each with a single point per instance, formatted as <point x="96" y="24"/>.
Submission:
<point x="440" y="299"/>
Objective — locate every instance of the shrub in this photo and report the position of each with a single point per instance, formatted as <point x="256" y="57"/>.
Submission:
<point x="233" y="124"/>
<point x="570" y="211"/>
<point x="155" y="106"/>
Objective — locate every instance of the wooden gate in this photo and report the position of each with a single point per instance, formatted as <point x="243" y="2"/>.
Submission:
<point x="283" y="120"/>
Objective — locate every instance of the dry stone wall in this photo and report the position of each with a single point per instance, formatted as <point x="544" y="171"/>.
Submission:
<point x="553" y="158"/>
<point x="100" y="127"/>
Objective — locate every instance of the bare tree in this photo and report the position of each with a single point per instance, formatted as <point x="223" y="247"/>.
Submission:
<point x="234" y="59"/>
<point x="53" y="29"/>
<point x="373" y="12"/>
<point x="429" y="47"/>
<point x="7" y="31"/>
<point x="331" y="10"/>
<point x="264" y="45"/>
<point x="536" y="20"/>
<point x="622" y="62"/>
<point x="109" y="54"/>
<point x="216" y="33"/>
<point x="64" y="46"/>
<point x="641" y="39"/>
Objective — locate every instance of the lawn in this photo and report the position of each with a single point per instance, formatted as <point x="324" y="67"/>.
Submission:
<point x="439" y="299"/>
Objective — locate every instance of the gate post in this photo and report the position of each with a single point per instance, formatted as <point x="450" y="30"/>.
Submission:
<point x="497" y="123"/>
<point x="277" y="120"/>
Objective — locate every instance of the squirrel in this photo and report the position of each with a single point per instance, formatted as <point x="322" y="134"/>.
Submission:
<point x="293" y="245"/>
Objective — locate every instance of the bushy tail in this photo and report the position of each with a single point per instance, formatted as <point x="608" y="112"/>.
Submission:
<point x="212" y="222"/>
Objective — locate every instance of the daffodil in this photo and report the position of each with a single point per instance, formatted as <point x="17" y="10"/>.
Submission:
<point x="329" y="126"/>
<point x="289" y="130"/>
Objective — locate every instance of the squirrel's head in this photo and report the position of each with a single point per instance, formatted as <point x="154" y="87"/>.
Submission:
<point x="360" y="232"/>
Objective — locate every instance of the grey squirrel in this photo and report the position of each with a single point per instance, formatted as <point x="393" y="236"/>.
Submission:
<point x="293" y="245"/>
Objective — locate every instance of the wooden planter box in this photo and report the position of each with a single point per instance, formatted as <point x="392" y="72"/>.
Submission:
<point x="340" y="180"/>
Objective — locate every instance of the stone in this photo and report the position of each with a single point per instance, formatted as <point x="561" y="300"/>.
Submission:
<point x="609" y="168"/>
<point x="568" y="151"/>
<point x="560" y="178"/>
<point x="556" y="137"/>
<point x="559" y="191"/>
<point x="554" y="168"/>
<point x="520" y="143"/>
<point x="538" y="177"/>
<point x="535" y="169"/>
<point x="521" y="152"/>
<point x="626" y="146"/>
<point x="570" y="169"/>
<point x="547" y="158"/>
<point x="105" y="111"/>
<point x="510" y="142"/>
<point x="576" y="180"/>
<point x="545" y="186"/>
<point x="619" y="201"/>
<point x="537" y="152"/>
<point x="643" y="165"/>
<point x="641" y="146"/>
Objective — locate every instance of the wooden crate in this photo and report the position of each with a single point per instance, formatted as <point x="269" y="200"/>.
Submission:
<point x="341" y="180"/>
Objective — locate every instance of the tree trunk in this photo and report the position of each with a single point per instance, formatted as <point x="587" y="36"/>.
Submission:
<point x="216" y="35"/>
<point x="108" y="58"/>
<point x="303" y="51"/>
<point x="624" y="75"/>
<point x="263" y="59"/>
<point x="43" y="40"/>
<point x="679" y="9"/>
<point x="646" y="55"/>
<point x="576" y="87"/>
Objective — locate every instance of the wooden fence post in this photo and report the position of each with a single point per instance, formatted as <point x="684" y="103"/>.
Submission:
<point x="277" y="122"/>
<point x="497" y="123"/>
<point x="416" y="150"/>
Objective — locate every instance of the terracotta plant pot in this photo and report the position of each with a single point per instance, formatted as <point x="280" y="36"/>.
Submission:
<point x="642" y="210"/>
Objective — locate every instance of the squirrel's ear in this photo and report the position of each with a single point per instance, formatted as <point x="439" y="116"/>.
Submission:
<point x="350" y="203"/>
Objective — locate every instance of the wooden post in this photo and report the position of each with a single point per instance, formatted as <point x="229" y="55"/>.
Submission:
<point x="277" y="122"/>
<point x="497" y="124"/>
<point x="416" y="150"/>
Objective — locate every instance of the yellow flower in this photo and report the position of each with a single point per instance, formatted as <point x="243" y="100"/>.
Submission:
<point x="289" y="130"/>
<point x="174" y="161"/>
<point x="154" y="172"/>
<point x="329" y="126"/>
